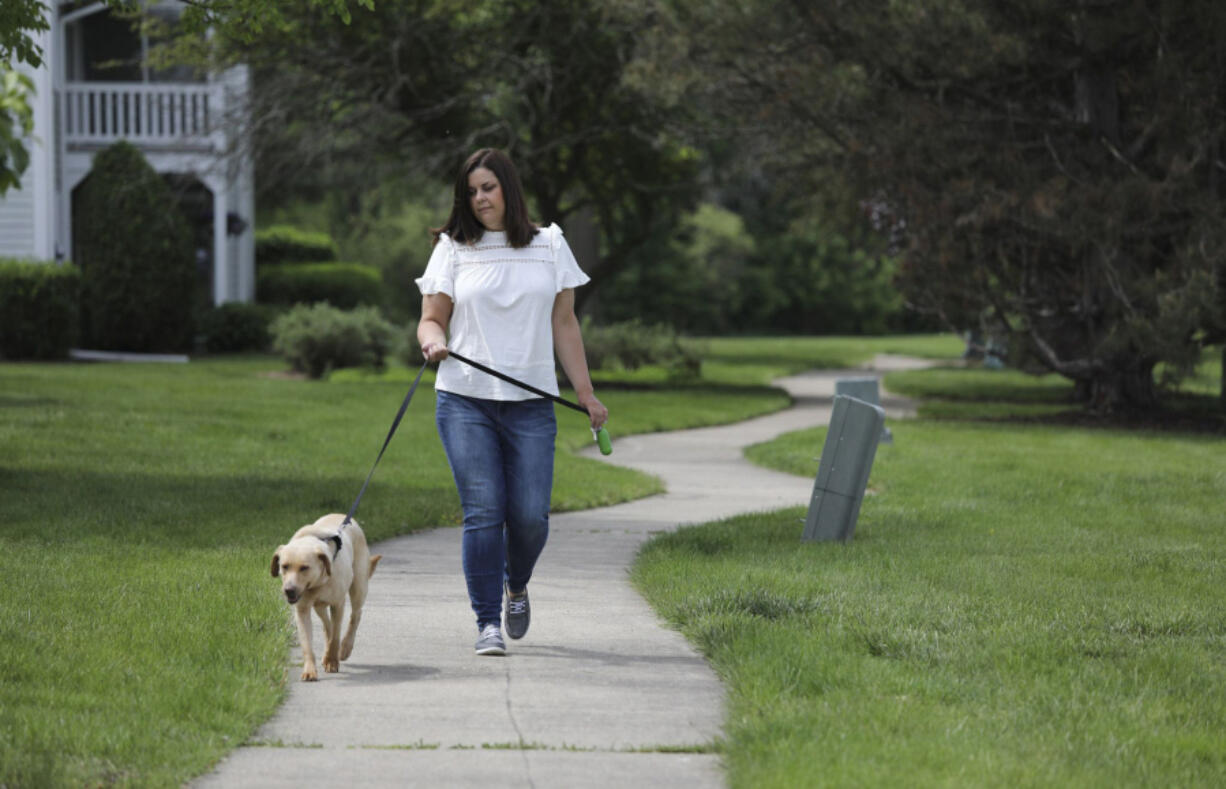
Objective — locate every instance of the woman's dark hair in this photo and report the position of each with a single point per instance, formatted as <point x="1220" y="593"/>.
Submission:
<point x="463" y="226"/>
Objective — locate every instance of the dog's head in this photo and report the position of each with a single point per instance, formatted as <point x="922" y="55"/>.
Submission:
<point x="301" y="565"/>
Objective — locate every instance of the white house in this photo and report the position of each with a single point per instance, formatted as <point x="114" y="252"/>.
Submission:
<point x="95" y="88"/>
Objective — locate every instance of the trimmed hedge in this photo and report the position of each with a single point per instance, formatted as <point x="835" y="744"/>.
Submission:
<point x="318" y="338"/>
<point x="343" y="285"/>
<point x="289" y="244"/>
<point x="234" y="327"/>
<point x="135" y="250"/>
<point x="38" y="309"/>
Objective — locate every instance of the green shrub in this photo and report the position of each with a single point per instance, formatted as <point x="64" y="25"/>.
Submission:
<point x="289" y="244"/>
<point x="38" y="309"/>
<point x="631" y="344"/>
<point x="138" y="269"/>
<point x="318" y="338"/>
<point x="235" y="327"/>
<point x="343" y="285"/>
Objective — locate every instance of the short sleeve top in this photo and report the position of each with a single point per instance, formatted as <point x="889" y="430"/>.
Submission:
<point x="502" y="305"/>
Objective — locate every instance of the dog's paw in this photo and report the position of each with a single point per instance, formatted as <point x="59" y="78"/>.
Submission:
<point x="309" y="674"/>
<point x="346" y="649"/>
<point x="332" y="665"/>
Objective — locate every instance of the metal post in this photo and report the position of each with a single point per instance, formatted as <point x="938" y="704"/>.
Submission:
<point x="842" y="474"/>
<point x="863" y="389"/>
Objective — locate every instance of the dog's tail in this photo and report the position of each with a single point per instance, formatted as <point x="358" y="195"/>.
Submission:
<point x="373" y="561"/>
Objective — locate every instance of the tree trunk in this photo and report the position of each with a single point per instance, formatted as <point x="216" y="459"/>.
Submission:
<point x="1122" y="389"/>
<point x="1222" y="392"/>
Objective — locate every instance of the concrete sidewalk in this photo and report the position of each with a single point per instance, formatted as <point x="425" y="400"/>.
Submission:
<point x="600" y="692"/>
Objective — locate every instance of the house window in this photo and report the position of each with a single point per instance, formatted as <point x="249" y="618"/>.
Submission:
<point x="103" y="47"/>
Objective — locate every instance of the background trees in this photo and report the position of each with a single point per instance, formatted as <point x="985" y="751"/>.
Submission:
<point x="1052" y="169"/>
<point x="413" y="86"/>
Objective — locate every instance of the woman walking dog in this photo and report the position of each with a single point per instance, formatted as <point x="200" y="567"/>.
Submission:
<point x="504" y="290"/>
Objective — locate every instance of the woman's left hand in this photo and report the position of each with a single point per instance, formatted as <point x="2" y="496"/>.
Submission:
<point x="596" y="412"/>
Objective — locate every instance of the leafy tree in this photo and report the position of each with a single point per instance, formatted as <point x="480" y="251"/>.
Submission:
<point x="413" y="86"/>
<point x="19" y="19"/>
<point x="1052" y="167"/>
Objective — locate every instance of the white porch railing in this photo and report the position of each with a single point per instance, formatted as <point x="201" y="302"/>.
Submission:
<point x="103" y="112"/>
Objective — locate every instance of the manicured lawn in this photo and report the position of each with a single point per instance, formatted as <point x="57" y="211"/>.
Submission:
<point x="1022" y="605"/>
<point x="764" y="358"/>
<point x="142" y="635"/>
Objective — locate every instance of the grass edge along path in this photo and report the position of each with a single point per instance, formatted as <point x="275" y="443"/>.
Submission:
<point x="1022" y="605"/>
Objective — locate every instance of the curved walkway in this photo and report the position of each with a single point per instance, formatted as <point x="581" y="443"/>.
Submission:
<point x="600" y="693"/>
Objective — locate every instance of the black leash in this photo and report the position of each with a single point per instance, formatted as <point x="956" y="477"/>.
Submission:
<point x="605" y="445"/>
<point x="601" y="436"/>
<point x="395" y="424"/>
<point x="518" y="383"/>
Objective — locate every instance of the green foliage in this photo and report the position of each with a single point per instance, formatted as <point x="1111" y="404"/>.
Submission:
<point x="246" y="20"/>
<point x="386" y="225"/>
<point x="135" y="252"/>
<point x="39" y="303"/>
<point x="1042" y="168"/>
<point x="702" y="279"/>
<point x="234" y="327"/>
<point x="289" y="244"/>
<point x="715" y="277"/>
<point x="391" y="231"/>
<point x="342" y="285"/>
<point x="632" y="344"/>
<point x="16" y="126"/>
<point x="818" y="283"/>
<point x="319" y="338"/>
<point x="18" y="20"/>
<point x="585" y="140"/>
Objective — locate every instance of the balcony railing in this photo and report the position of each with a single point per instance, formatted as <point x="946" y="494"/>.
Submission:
<point x="166" y="113"/>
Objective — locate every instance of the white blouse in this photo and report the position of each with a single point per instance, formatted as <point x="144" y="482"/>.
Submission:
<point x="502" y="301"/>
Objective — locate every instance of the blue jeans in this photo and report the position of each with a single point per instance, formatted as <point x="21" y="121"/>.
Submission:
<point x="501" y="455"/>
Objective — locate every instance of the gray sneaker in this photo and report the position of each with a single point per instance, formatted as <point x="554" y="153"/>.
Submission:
<point x="518" y="614"/>
<point x="490" y="642"/>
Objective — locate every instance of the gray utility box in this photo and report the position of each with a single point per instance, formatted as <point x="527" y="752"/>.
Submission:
<point x="863" y="389"/>
<point x="842" y="473"/>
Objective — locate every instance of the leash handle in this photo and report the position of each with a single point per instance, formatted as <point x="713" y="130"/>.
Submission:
<point x="395" y="424"/>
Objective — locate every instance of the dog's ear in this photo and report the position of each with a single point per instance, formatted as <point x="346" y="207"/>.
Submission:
<point x="276" y="562"/>
<point x="327" y="563"/>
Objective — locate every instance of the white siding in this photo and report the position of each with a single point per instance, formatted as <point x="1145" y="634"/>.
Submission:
<point x="17" y="222"/>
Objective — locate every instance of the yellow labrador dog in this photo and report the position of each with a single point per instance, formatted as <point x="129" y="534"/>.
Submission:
<point x="320" y="566"/>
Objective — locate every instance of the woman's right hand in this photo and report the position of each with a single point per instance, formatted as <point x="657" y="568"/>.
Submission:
<point x="434" y="351"/>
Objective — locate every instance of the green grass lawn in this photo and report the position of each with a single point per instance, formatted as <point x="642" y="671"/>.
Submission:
<point x="1022" y="605"/>
<point x="141" y="503"/>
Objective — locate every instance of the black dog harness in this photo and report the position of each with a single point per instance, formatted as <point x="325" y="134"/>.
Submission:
<point x="336" y="538"/>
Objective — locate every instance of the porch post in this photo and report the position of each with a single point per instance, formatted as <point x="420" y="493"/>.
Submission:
<point x="221" y="266"/>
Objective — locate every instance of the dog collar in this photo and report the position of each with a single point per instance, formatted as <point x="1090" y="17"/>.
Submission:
<point x="336" y="538"/>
